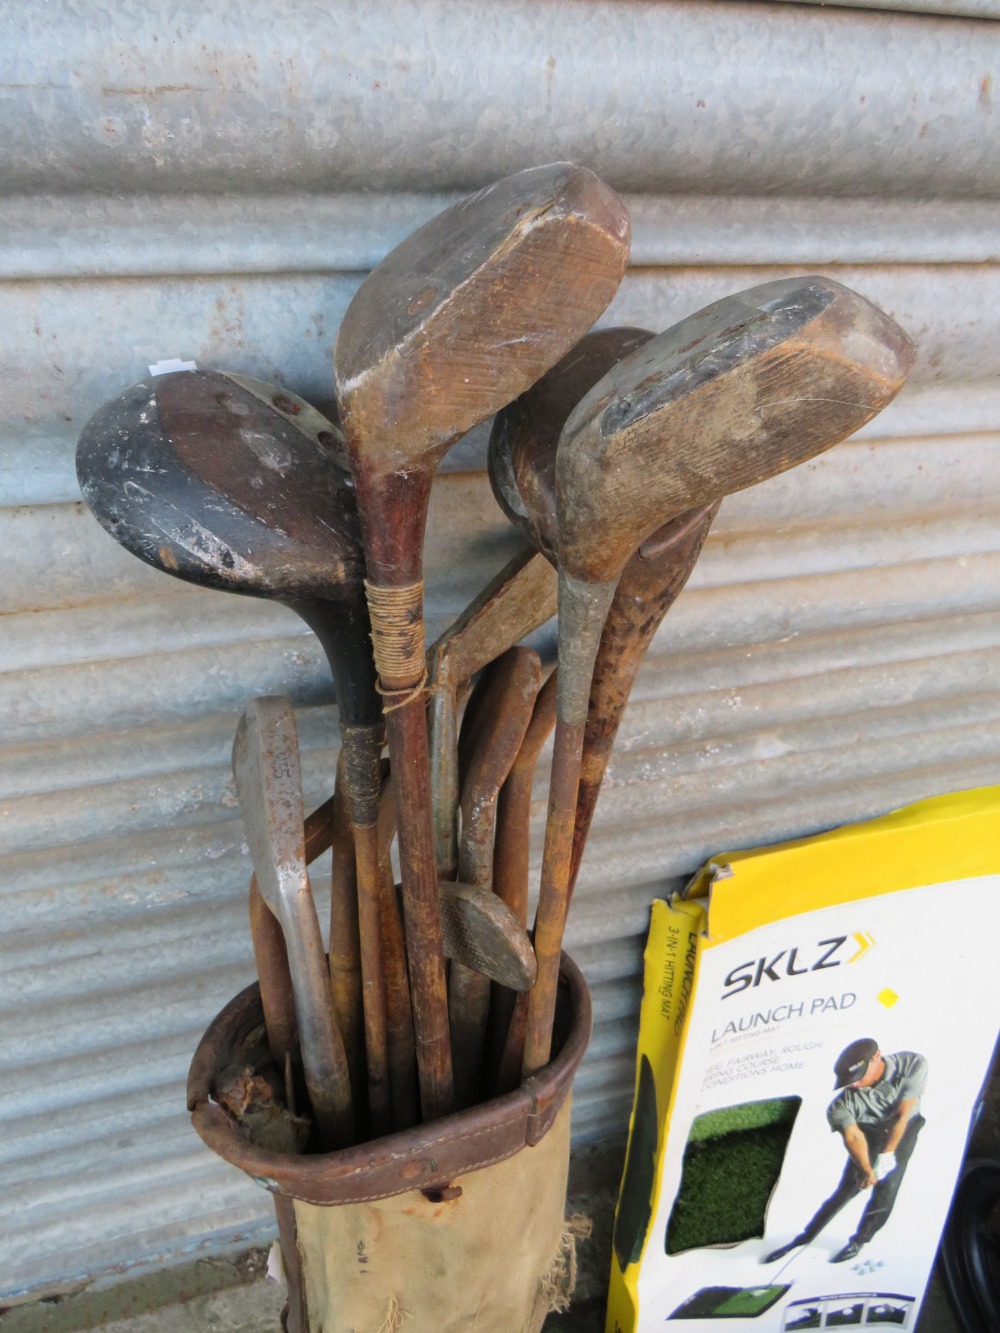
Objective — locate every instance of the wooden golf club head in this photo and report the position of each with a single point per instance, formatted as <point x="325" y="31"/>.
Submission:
<point x="269" y="785"/>
<point x="525" y="433"/>
<point x="469" y="310"/>
<point x="744" y="389"/>
<point x="230" y="483"/>
<point x="225" y="482"/>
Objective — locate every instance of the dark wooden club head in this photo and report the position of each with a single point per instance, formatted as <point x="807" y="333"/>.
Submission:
<point x="525" y="434"/>
<point x="233" y="484"/>
<point x="225" y="482"/>
<point x="740" y="391"/>
<point x="466" y="313"/>
<point x="474" y="306"/>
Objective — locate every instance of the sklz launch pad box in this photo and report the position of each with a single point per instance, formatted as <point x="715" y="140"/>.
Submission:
<point x="817" y="1023"/>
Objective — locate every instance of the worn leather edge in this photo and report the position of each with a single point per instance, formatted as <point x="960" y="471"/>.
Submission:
<point x="425" y="1157"/>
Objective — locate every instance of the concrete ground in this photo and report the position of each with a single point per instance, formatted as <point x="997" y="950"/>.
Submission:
<point x="232" y="1295"/>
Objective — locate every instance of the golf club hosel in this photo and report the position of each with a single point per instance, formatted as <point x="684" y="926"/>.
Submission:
<point x="583" y="608"/>
<point x="343" y="629"/>
<point x="393" y="511"/>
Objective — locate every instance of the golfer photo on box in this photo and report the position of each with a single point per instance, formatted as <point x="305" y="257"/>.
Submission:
<point x="877" y="1113"/>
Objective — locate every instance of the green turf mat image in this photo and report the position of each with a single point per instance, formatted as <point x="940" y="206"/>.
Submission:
<point x="729" y="1302"/>
<point x="635" y="1205"/>
<point x="732" y="1161"/>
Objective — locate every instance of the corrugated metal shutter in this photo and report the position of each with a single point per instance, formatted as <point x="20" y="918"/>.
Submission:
<point x="211" y="181"/>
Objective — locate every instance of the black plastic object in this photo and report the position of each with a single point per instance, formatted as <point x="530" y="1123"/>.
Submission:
<point x="970" y="1250"/>
<point x="635" y="1202"/>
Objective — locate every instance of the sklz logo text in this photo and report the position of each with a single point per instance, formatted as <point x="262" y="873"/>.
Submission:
<point x="787" y="963"/>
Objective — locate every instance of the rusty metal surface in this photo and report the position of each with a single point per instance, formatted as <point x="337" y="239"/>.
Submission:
<point x="836" y="653"/>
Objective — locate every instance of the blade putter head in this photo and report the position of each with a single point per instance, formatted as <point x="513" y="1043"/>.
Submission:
<point x="482" y="932"/>
<point x="740" y="391"/>
<point x="269" y="785"/>
<point x="226" y="482"/>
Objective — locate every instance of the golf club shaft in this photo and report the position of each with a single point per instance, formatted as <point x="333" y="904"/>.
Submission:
<point x="583" y="608"/>
<point x="402" y="1056"/>
<point x="428" y="991"/>
<point x="271" y="958"/>
<point x="393" y="515"/>
<point x="270" y="954"/>
<point x="345" y="941"/>
<point x="511" y="848"/>
<point x="510" y="869"/>
<point x="648" y="589"/>
<point x="373" y="979"/>
<point x="513" y="604"/>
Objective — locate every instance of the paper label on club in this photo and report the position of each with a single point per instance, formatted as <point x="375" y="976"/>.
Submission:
<point x="171" y="366"/>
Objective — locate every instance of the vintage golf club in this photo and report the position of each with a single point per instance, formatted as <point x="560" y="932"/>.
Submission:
<point x="744" y="389"/>
<point x="346" y="984"/>
<point x="480" y="932"/>
<point x="652" y="581"/>
<point x="523" y="447"/>
<point x="269" y="785"/>
<point x="455" y="322"/>
<point x="232" y="484"/>
<point x="511" y="848"/>
<point x="402" y="1052"/>
<point x="505" y="707"/>
<point x="520" y="599"/>
<point x="271" y="956"/>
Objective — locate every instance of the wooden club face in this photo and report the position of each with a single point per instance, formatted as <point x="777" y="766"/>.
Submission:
<point x="471" y="309"/>
<point x="224" y="482"/>
<point x="525" y="434"/>
<point x="737" y="393"/>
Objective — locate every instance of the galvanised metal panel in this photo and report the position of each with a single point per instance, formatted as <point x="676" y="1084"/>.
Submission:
<point x="431" y="95"/>
<point x="67" y="346"/>
<point x="837" y="651"/>
<point x="974" y="9"/>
